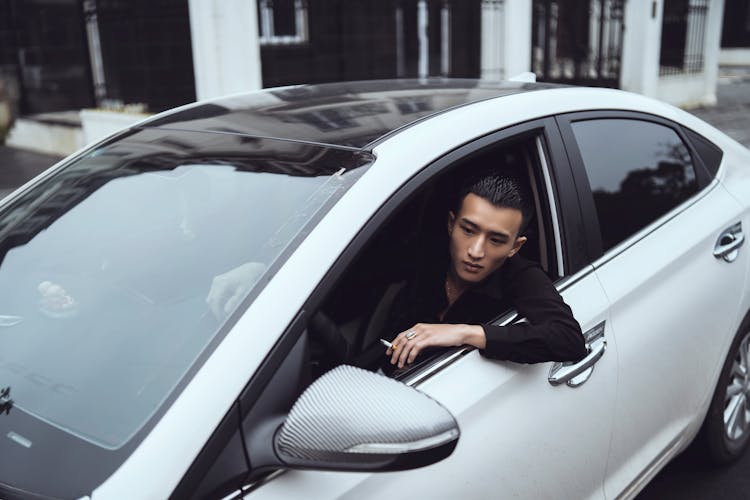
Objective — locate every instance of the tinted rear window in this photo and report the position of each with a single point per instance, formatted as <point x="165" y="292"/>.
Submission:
<point x="637" y="170"/>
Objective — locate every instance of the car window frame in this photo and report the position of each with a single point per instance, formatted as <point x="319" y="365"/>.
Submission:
<point x="590" y="216"/>
<point x="562" y="198"/>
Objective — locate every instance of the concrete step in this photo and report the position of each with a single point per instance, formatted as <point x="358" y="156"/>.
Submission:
<point x="62" y="133"/>
<point x="58" y="134"/>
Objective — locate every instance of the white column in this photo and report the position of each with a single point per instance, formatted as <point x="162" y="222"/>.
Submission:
<point x="505" y="38"/>
<point x="517" y="37"/>
<point x="712" y="49"/>
<point x="226" y="47"/>
<point x="641" y="47"/>
<point x="491" y="61"/>
<point x="423" y="67"/>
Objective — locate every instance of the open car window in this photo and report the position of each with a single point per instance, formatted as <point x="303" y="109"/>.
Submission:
<point x="360" y="308"/>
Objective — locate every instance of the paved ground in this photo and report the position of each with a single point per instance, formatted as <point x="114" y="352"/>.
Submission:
<point x="732" y="113"/>
<point x="688" y="477"/>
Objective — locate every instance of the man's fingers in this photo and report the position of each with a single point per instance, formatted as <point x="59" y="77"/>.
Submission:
<point x="217" y="296"/>
<point x="405" y="353"/>
<point x="415" y="350"/>
<point x="228" y="289"/>
<point x="234" y="300"/>
<point x="395" y="351"/>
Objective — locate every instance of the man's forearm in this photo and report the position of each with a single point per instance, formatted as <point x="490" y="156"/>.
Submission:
<point x="474" y="335"/>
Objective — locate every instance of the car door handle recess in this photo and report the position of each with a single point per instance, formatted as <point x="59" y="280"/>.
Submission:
<point x="562" y="373"/>
<point x="729" y="242"/>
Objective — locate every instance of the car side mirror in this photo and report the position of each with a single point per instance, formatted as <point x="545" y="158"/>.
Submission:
<point x="355" y="420"/>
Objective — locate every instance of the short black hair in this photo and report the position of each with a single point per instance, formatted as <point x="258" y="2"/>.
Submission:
<point x="502" y="190"/>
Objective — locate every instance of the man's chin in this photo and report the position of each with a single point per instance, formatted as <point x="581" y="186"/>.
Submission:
<point x="471" y="278"/>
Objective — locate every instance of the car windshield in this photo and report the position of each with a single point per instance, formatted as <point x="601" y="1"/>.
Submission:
<point x="107" y="264"/>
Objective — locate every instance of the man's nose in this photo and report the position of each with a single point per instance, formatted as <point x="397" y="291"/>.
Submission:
<point x="476" y="248"/>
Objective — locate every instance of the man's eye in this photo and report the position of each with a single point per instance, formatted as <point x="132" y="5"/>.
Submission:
<point x="467" y="230"/>
<point x="496" y="241"/>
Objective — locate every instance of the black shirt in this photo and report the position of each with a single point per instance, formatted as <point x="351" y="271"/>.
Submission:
<point x="551" y="334"/>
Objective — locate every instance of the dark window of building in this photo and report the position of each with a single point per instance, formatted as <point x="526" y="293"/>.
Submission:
<point x="635" y="179"/>
<point x="683" y="36"/>
<point x="735" y="32"/>
<point x="284" y="17"/>
<point x="282" y="22"/>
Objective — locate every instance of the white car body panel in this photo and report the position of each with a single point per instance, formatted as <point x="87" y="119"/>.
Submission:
<point x="735" y="177"/>
<point x="661" y="312"/>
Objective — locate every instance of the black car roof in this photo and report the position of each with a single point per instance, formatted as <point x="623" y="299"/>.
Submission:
<point x="351" y="114"/>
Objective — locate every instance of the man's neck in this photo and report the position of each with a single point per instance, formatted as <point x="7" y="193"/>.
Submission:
<point x="454" y="287"/>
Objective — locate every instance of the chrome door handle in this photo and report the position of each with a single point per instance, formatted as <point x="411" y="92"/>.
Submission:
<point x="566" y="373"/>
<point x="575" y="374"/>
<point x="729" y="242"/>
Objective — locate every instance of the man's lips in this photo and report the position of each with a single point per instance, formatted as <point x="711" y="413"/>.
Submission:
<point x="471" y="267"/>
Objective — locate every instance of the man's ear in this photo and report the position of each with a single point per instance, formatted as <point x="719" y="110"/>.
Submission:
<point x="451" y="221"/>
<point x="517" y="245"/>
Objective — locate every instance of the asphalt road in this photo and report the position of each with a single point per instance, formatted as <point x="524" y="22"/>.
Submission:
<point x="688" y="476"/>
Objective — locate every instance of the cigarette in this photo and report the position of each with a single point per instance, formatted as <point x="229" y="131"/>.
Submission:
<point x="386" y="343"/>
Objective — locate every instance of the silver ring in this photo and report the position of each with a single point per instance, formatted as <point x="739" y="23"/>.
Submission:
<point x="410" y="334"/>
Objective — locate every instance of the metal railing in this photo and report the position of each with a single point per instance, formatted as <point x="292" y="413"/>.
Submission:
<point x="578" y="41"/>
<point x="683" y="37"/>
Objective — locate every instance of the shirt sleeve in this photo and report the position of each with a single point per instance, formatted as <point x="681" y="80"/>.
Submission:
<point x="551" y="334"/>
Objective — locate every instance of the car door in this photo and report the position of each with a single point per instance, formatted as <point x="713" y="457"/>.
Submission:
<point x="674" y="303"/>
<point x="527" y="431"/>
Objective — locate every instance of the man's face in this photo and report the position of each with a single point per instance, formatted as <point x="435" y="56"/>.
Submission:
<point x="482" y="236"/>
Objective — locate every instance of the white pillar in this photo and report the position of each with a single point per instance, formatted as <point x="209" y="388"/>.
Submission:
<point x="491" y="60"/>
<point x="505" y="38"/>
<point x="712" y="49"/>
<point x="423" y="66"/>
<point x="517" y="37"/>
<point x="226" y="47"/>
<point x="641" y="47"/>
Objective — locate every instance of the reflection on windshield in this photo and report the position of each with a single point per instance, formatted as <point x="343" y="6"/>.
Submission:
<point x="106" y="267"/>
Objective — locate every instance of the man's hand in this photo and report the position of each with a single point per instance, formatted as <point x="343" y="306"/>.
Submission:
<point x="228" y="289"/>
<point x="408" y="344"/>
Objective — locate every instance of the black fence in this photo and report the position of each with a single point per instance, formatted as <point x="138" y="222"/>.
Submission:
<point x="43" y="50"/>
<point x="683" y="36"/>
<point x="146" y="52"/>
<point x="578" y="41"/>
<point x="351" y="40"/>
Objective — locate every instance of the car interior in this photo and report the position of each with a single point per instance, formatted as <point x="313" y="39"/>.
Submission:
<point x="354" y="314"/>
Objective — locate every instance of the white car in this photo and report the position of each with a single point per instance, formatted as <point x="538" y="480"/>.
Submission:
<point x="119" y="380"/>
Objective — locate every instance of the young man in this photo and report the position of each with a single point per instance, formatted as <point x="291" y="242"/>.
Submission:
<point x="482" y="277"/>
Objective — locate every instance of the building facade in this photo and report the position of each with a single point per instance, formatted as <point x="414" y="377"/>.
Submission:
<point x="73" y="54"/>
